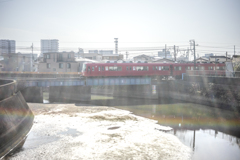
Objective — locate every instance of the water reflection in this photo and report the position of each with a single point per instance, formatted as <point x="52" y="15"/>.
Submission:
<point x="212" y="133"/>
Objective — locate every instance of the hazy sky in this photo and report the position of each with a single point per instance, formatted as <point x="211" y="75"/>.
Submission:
<point x="76" y="23"/>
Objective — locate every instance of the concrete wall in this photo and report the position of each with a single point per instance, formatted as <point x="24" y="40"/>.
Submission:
<point x="32" y="94"/>
<point x="16" y="118"/>
<point x="69" y="93"/>
<point x="102" y="90"/>
<point x="7" y="88"/>
<point x="180" y="90"/>
<point x="136" y="91"/>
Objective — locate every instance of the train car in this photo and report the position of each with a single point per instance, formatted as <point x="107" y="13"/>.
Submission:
<point x="149" y="69"/>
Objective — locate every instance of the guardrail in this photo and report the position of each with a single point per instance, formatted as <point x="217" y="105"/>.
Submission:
<point x="213" y="73"/>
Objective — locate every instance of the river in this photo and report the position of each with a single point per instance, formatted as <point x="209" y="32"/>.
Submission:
<point x="212" y="133"/>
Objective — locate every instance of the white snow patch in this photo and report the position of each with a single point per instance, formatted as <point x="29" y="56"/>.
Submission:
<point x="134" y="137"/>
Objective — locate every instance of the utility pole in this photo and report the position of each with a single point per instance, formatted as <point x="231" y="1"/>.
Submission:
<point x="126" y="55"/>
<point x="165" y="51"/>
<point x="234" y="49"/>
<point x="174" y="53"/>
<point x="226" y="56"/>
<point x="194" y="54"/>
<point x="32" y="59"/>
<point x="193" y="42"/>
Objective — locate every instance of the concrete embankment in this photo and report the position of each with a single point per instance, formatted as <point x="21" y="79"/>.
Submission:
<point x="217" y="95"/>
<point x="16" y="118"/>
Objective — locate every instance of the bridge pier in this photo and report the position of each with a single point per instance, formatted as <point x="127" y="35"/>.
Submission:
<point x="32" y="94"/>
<point x="70" y="94"/>
<point x="136" y="91"/>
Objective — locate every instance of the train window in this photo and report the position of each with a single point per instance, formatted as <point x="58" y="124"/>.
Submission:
<point x="202" y="68"/>
<point x="153" y="68"/>
<point x="142" y="68"/>
<point x="139" y="68"/>
<point x="133" y="68"/>
<point x="106" y="68"/>
<point x="92" y="68"/>
<point x="111" y="68"/>
<point x="192" y="68"/>
<point x="88" y="69"/>
<point x="156" y="68"/>
<point x="119" y="68"/>
<point x="130" y="68"/>
<point x="188" y="68"/>
<point x="99" y="68"/>
<point x="178" y="68"/>
<point x="165" y="68"/>
<point x="127" y="68"/>
<point x="102" y="68"/>
<point x="196" y="68"/>
<point x="160" y="68"/>
<point x="210" y="68"/>
<point x="115" y="68"/>
<point x="220" y="68"/>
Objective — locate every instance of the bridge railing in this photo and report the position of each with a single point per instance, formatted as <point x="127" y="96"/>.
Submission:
<point x="41" y="74"/>
<point x="213" y="73"/>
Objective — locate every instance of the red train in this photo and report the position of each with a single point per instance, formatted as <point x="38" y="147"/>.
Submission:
<point x="151" y="69"/>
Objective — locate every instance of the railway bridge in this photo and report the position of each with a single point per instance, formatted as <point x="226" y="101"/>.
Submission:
<point x="73" y="87"/>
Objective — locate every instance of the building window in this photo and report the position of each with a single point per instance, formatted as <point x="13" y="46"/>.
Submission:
<point x="48" y="65"/>
<point x="69" y="56"/>
<point x="60" y="57"/>
<point x="60" y="65"/>
<point x="54" y="69"/>
<point x="69" y="65"/>
<point x="48" y="56"/>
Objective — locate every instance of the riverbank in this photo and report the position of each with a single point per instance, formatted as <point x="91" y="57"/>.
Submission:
<point x="69" y="131"/>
